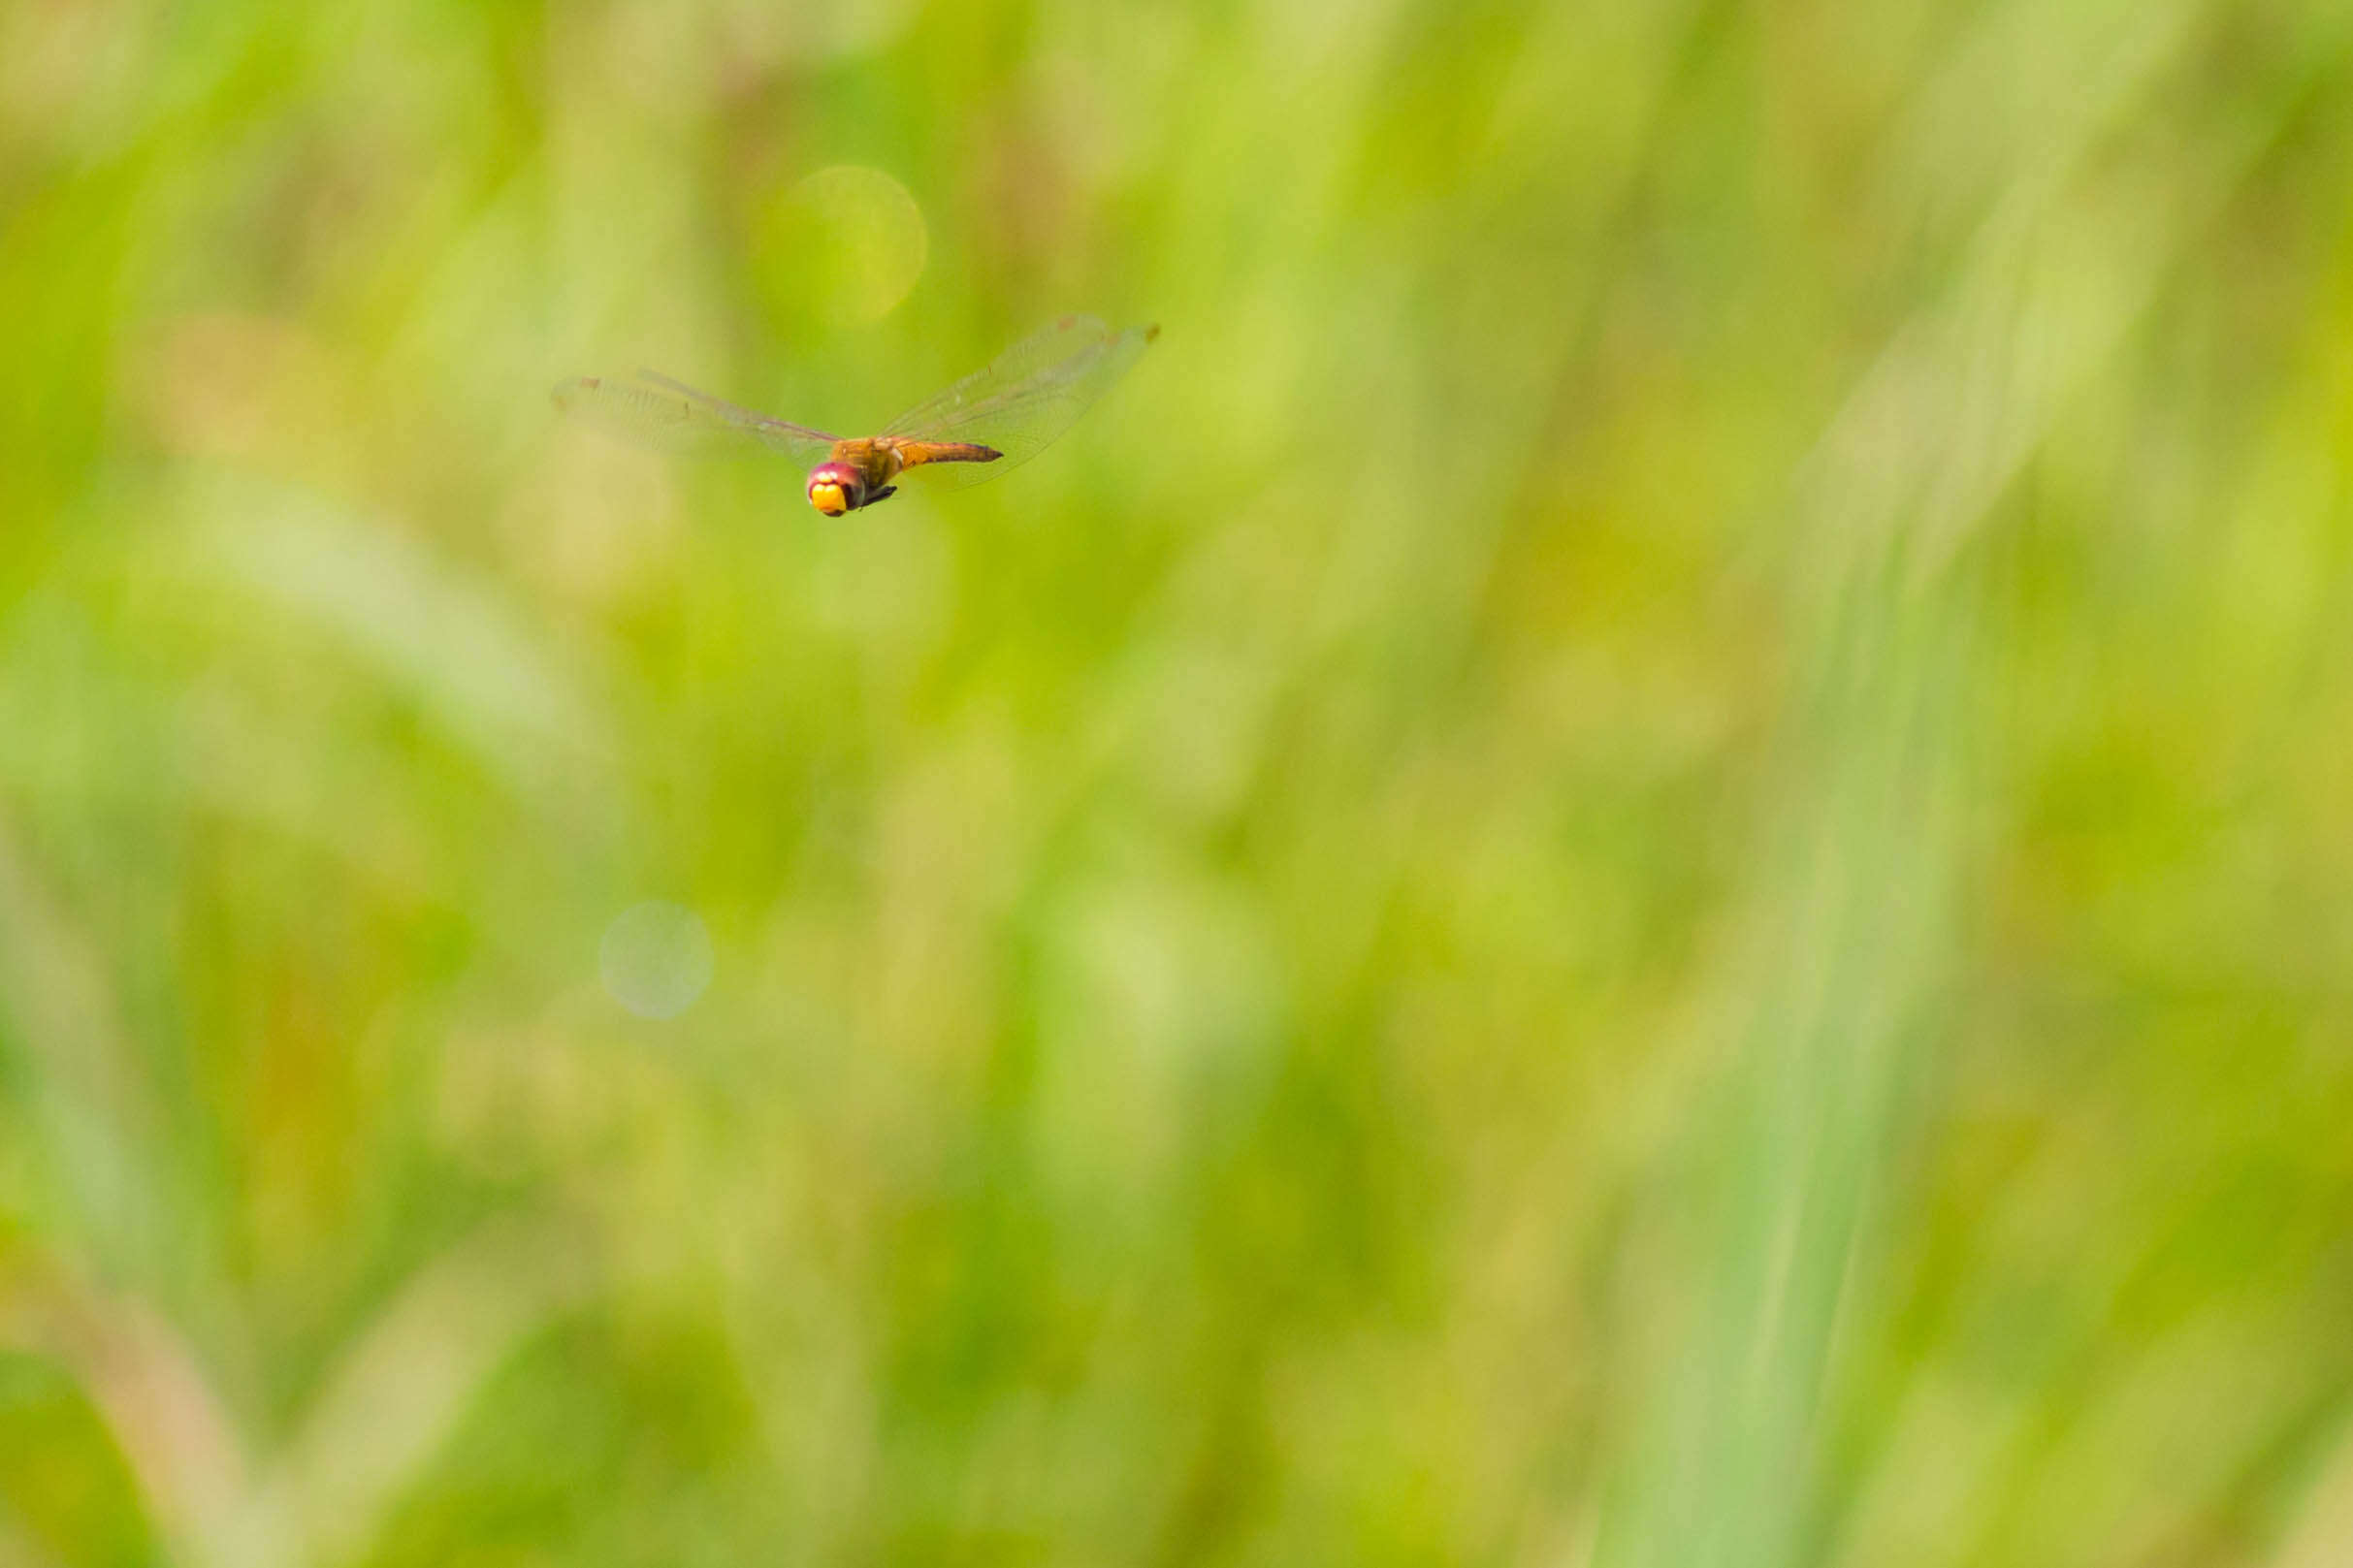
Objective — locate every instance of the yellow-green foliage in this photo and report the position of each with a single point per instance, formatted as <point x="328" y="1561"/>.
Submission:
<point x="1645" y="860"/>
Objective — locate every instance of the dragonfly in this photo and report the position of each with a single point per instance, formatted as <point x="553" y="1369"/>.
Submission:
<point x="991" y="421"/>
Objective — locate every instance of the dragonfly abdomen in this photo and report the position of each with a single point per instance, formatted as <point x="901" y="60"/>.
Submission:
<point x="914" y="454"/>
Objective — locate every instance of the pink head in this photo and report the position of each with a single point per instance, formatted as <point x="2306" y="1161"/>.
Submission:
<point x="835" y="488"/>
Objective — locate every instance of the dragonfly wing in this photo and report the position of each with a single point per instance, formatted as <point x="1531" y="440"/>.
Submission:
<point x="652" y="408"/>
<point x="1024" y="397"/>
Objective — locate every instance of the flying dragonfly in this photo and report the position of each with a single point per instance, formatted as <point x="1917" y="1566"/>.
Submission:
<point x="993" y="420"/>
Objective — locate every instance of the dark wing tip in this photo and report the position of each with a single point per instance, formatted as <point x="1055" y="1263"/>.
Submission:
<point x="1151" y="333"/>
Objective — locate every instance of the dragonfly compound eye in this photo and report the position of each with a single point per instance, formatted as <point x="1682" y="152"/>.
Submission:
<point x="835" y="488"/>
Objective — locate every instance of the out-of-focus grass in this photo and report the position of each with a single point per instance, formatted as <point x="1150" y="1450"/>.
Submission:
<point x="1641" y="861"/>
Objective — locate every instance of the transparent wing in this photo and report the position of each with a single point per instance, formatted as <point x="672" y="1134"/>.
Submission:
<point x="652" y="408"/>
<point x="1026" y="396"/>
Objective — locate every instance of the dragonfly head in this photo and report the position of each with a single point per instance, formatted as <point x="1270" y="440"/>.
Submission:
<point x="835" y="488"/>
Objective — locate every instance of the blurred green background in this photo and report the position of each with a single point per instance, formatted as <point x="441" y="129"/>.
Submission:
<point x="1645" y="860"/>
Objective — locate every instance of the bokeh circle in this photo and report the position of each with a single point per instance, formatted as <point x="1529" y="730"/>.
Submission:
<point x="844" y="245"/>
<point x="656" y="959"/>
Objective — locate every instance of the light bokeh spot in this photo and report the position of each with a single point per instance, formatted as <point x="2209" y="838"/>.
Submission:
<point x="656" y="959"/>
<point x="844" y="245"/>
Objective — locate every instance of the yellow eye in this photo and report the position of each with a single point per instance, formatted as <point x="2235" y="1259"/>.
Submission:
<point x="827" y="499"/>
